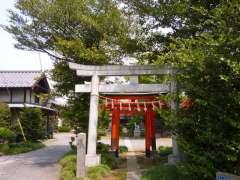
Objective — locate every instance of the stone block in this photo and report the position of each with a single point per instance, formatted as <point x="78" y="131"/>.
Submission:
<point x="93" y="160"/>
<point x="226" y="176"/>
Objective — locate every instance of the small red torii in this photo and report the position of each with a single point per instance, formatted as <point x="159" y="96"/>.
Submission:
<point x="133" y="105"/>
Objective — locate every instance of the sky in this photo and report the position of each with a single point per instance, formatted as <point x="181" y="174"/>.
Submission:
<point x="12" y="58"/>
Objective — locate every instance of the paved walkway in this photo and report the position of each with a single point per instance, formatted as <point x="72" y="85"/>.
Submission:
<point x="133" y="172"/>
<point x="41" y="164"/>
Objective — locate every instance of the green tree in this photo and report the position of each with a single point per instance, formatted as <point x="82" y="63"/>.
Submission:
<point x="4" y="115"/>
<point x="80" y="31"/>
<point x="76" y="113"/>
<point x="204" y="43"/>
<point x="33" y="123"/>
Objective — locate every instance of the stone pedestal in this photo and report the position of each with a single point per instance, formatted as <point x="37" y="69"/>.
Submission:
<point x="136" y="131"/>
<point x="81" y="151"/>
<point x="93" y="160"/>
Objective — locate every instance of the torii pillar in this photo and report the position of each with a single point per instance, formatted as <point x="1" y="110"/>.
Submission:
<point x="92" y="158"/>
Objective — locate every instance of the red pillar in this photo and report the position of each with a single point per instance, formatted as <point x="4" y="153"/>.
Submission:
<point x="115" y="128"/>
<point x="153" y="129"/>
<point x="147" y="132"/>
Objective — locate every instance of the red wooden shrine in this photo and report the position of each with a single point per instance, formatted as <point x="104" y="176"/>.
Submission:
<point x="131" y="105"/>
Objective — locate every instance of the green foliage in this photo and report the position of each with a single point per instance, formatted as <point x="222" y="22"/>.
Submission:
<point x="203" y="43"/>
<point x="33" y="123"/>
<point x="64" y="129"/>
<point x="4" y="148"/>
<point x="82" y="31"/>
<point x="169" y="172"/>
<point x="98" y="172"/>
<point x="68" y="163"/>
<point x="163" y="172"/>
<point x="4" y="115"/>
<point x="123" y="149"/>
<point x="165" y="151"/>
<point x="68" y="172"/>
<point x="102" y="148"/>
<point x="109" y="160"/>
<point x="76" y="113"/>
<point x="7" y="135"/>
<point x="131" y="125"/>
<point x="17" y="148"/>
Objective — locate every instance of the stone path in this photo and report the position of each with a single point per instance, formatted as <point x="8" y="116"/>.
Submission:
<point x="41" y="164"/>
<point x="132" y="166"/>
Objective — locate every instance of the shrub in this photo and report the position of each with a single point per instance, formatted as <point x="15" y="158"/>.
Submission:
<point x="109" y="159"/>
<point x="4" y="148"/>
<point x="165" y="151"/>
<point x="4" y="115"/>
<point x="17" y="148"/>
<point x="68" y="172"/>
<point x="123" y="149"/>
<point x="102" y="148"/>
<point x="64" y="129"/>
<point x="7" y="135"/>
<point x="98" y="172"/>
<point x="163" y="172"/>
<point x="68" y="163"/>
<point x="33" y="123"/>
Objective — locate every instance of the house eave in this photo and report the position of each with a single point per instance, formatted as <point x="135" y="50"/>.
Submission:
<point x="22" y="105"/>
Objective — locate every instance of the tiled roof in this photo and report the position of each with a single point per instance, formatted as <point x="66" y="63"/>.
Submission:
<point x="19" y="78"/>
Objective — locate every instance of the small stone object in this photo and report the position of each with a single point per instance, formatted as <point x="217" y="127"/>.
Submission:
<point x="226" y="176"/>
<point x="81" y="153"/>
<point x="137" y="131"/>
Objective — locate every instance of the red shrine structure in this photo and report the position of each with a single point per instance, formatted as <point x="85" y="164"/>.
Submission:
<point x="131" y="105"/>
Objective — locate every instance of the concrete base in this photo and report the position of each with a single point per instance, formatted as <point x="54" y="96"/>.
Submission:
<point x="227" y="176"/>
<point x="93" y="160"/>
<point x="172" y="159"/>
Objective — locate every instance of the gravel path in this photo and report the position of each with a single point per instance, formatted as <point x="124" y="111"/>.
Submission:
<point x="41" y="164"/>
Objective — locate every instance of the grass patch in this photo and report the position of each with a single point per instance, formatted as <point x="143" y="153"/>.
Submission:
<point x="17" y="148"/>
<point x="68" y="172"/>
<point x="117" y="175"/>
<point x="163" y="172"/>
<point x="98" y="172"/>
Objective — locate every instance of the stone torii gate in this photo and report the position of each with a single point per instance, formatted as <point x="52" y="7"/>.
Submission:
<point x="95" y="88"/>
